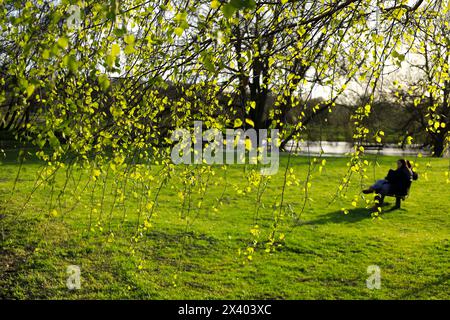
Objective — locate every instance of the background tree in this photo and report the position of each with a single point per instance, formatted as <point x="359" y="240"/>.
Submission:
<point x="425" y="99"/>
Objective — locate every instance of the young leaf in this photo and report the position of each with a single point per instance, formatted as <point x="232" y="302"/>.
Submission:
<point x="228" y="10"/>
<point x="250" y="122"/>
<point x="63" y="42"/>
<point x="237" y="123"/>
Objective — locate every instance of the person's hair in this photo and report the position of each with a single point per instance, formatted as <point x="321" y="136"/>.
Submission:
<point x="403" y="162"/>
<point x="408" y="164"/>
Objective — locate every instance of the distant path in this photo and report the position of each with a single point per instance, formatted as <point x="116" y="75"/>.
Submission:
<point x="336" y="148"/>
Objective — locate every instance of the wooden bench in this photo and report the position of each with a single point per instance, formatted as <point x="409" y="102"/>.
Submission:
<point x="398" y="197"/>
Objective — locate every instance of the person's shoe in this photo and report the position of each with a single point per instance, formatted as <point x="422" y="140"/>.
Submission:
<point x="376" y="209"/>
<point x="367" y="191"/>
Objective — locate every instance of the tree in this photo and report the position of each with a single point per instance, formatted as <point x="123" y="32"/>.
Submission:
<point x="426" y="99"/>
<point x="107" y="92"/>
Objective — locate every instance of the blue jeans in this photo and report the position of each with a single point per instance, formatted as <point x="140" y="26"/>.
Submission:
<point x="381" y="186"/>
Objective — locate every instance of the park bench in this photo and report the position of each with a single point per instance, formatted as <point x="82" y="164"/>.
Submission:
<point x="398" y="197"/>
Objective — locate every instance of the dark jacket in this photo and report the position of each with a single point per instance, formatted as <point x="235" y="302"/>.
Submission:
<point x="400" y="181"/>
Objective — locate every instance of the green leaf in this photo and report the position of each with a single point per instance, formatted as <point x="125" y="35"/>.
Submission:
<point x="30" y="90"/>
<point x="215" y="4"/>
<point x="238" y="4"/>
<point x="129" y="49"/>
<point x="103" y="81"/>
<point x="110" y="60"/>
<point x="129" y="39"/>
<point x="46" y="54"/>
<point x="179" y="31"/>
<point x="54" y="142"/>
<point x="71" y="63"/>
<point x="250" y="122"/>
<point x="208" y="63"/>
<point x="250" y="4"/>
<point x="119" y="32"/>
<point x="63" y="42"/>
<point x="228" y="10"/>
<point x="242" y="4"/>
<point x="115" y="50"/>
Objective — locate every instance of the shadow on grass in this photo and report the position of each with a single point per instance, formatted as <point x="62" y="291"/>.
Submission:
<point x="393" y="208"/>
<point x="417" y="292"/>
<point x="353" y="215"/>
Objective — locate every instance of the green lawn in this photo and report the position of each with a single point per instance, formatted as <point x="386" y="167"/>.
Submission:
<point x="196" y="254"/>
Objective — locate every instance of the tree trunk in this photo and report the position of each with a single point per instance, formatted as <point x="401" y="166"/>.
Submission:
<point x="438" y="145"/>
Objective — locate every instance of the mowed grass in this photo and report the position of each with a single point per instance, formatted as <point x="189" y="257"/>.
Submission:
<point x="196" y="254"/>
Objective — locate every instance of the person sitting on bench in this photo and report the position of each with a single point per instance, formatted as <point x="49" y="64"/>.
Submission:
<point x="414" y="174"/>
<point x="396" y="183"/>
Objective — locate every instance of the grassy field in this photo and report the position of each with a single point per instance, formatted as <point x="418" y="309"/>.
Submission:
<point x="196" y="255"/>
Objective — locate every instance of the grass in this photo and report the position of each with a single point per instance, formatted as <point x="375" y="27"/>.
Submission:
<point x="195" y="255"/>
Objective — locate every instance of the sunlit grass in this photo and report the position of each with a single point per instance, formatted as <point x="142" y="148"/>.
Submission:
<point x="195" y="255"/>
